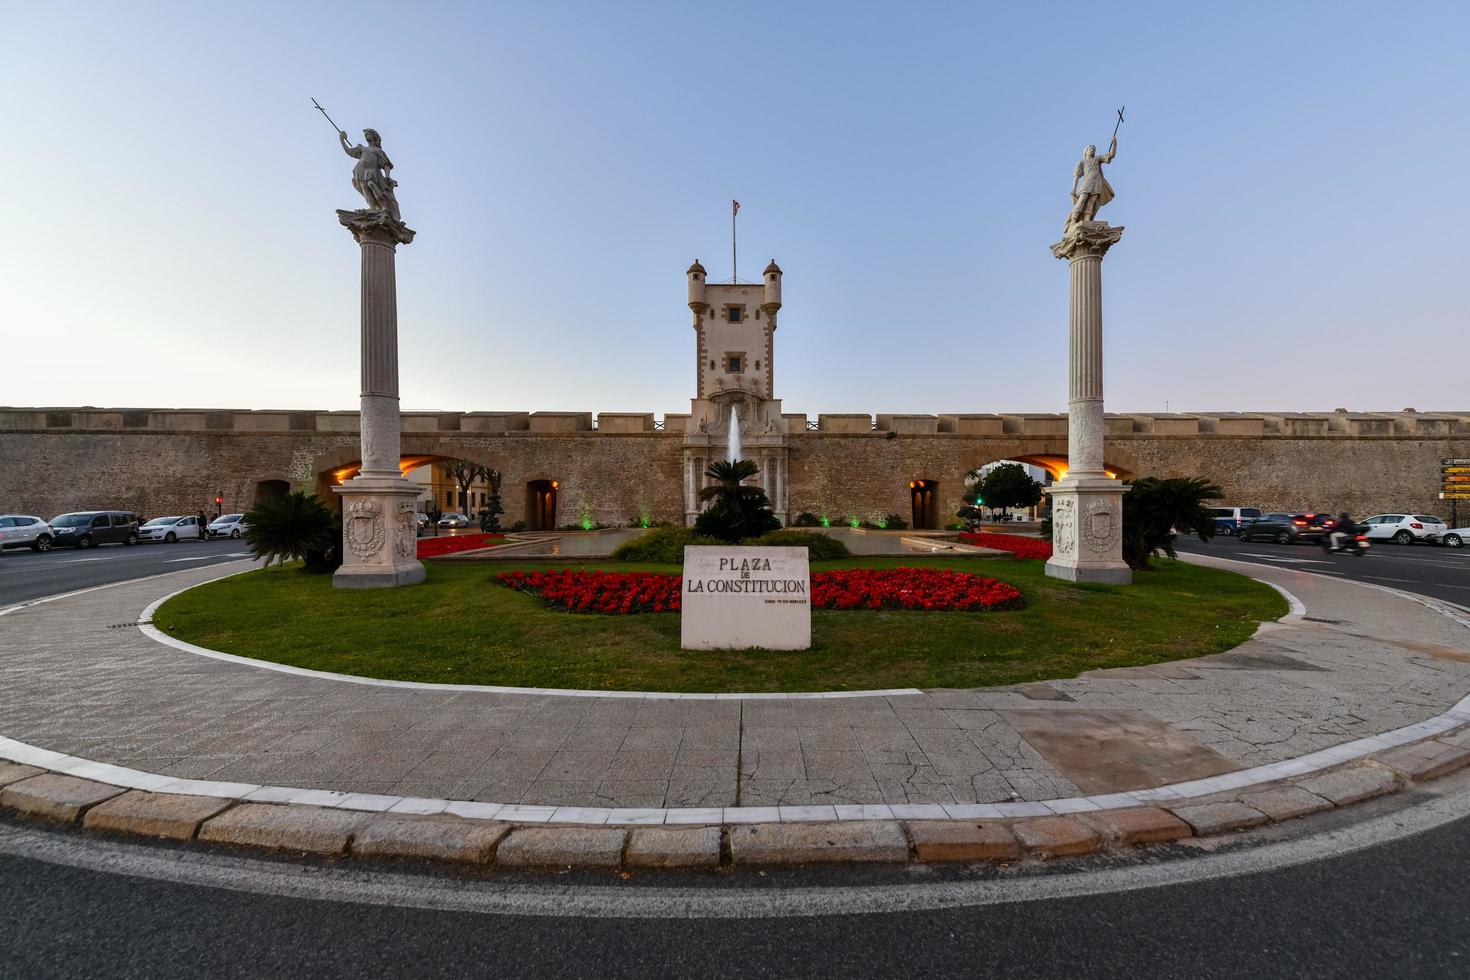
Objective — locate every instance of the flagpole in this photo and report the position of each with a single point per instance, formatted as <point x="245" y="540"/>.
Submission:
<point x="734" y="209"/>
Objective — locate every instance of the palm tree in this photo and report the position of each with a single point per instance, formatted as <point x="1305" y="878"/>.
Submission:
<point x="295" y="526"/>
<point x="1154" y="510"/>
<point x="738" y="510"/>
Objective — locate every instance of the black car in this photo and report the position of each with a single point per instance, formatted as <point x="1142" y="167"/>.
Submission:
<point x="1288" y="528"/>
<point x="89" y="528"/>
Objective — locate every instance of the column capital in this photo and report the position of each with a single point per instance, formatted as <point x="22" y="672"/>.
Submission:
<point x="1085" y="239"/>
<point x="370" y="227"/>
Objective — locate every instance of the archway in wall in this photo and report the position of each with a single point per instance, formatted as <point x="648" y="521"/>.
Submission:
<point x="1054" y="467"/>
<point x="924" y="504"/>
<point x="270" y="489"/>
<point x="541" y="504"/>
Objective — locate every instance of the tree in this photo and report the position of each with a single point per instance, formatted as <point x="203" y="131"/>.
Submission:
<point x="999" y="488"/>
<point x="736" y="511"/>
<point x="1154" y="509"/>
<point x="294" y="526"/>
<point x="490" y="519"/>
<point x="466" y="474"/>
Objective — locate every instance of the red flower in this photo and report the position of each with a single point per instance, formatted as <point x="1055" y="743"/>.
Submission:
<point x="629" y="593"/>
<point x="1021" y="547"/>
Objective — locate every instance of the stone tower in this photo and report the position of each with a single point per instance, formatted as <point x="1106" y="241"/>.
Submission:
<point x="735" y="327"/>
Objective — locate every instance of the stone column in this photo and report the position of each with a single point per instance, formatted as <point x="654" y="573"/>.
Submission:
<point x="1087" y="504"/>
<point x="379" y="533"/>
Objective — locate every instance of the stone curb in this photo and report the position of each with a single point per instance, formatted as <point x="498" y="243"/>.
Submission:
<point x="468" y="839"/>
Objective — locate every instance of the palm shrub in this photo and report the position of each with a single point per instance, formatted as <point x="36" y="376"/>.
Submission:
<point x="807" y="519"/>
<point x="294" y="527"/>
<point x="1154" y="509"/>
<point x="736" y="510"/>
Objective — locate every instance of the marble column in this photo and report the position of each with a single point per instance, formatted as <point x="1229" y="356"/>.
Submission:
<point x="1087" y="504"/>
<point x="379" y="531"/>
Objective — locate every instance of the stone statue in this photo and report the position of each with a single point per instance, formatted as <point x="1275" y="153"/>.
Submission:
<point x="373" y="175"/>
<point x="1090" y="189"/>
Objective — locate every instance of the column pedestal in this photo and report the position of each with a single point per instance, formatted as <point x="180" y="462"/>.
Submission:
<point x="1087" y="504"/>
<point x="379" y="527"/>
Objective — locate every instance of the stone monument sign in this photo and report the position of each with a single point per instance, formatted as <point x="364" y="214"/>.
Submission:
<point x="735" y="597"/>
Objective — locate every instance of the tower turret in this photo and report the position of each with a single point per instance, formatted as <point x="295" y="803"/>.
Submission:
<point x="771" y="301"/>
<point x="697" y="277"/>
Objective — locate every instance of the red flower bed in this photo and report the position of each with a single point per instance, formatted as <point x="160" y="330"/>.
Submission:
<point x="448" y="545"/>
<point x="910" y="588"/>
<point x="614" y="593"/>
<point x="625" y="593"/>
<point x="1021" y="547"/>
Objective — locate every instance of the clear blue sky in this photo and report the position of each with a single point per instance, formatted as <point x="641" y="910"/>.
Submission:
<point x="1292" y="178"/>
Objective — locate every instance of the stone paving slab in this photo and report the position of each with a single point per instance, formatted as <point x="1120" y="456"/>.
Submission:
<point x="71" y="685"/>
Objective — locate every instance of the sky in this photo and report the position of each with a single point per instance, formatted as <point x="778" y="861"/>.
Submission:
<point x="1291" y="177"/>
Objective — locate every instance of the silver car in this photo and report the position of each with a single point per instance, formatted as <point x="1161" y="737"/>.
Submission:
<point x="228" y="526"/>
<point x="24" y="531"/>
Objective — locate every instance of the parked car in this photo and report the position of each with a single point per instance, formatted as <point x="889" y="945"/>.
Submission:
<point x="1455" y="537"/>
<point x="90" y="528"/>
<point x="24" y="531"/>
<point x="1403" y="528"/>
<point x="1228" y="520"/>
<point x="227" y="526"/>
<point x="423" y="521"/>
<point x="169" y="529"/>
<point x="454" y="520"/>
<point x="1287" y="528"/>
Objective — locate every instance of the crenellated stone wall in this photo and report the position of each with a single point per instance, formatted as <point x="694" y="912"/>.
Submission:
<point x="614" y="468"/>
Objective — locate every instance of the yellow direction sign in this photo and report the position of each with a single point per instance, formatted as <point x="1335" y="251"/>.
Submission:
<point x="1454" y="469"/>
<point x="1455" y="495"/>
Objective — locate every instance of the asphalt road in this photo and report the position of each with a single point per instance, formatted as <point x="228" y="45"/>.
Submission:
<point x="1392" y="909"/>
<point x="1431" y="570"/>
<point x="26" y="574"/>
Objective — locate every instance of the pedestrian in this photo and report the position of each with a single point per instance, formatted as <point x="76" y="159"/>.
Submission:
<point x="203" y="527"/>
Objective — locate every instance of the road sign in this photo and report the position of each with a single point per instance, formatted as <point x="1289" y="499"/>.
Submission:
<point x="1455" y="495"/>
<point x="1454" y="469"/>
<point x="1447" y="461"/>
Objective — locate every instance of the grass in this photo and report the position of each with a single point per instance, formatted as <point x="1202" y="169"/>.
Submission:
<point x="460" y="627"/>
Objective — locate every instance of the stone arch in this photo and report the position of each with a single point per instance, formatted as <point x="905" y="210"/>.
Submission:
<point x="924" y="504"/>
<point x="541" y="503"/>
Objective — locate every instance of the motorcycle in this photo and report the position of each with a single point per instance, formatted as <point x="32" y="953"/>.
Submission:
<point x="1356" y="544"/>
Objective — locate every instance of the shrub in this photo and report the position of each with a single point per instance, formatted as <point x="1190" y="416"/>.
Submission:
<point x="1153" y="508"/>
<point x="294" y="527"/>
<point x="819" y="547"/>
<point x="807" y="519"/>
<point x="895" y="523"/>
<point x="664" y="545"/>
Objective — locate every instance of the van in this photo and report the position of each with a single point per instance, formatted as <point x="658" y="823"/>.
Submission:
<point x="1229" y="520"/>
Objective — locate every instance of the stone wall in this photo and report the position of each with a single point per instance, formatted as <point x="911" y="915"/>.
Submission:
<point x="167" y="461"/>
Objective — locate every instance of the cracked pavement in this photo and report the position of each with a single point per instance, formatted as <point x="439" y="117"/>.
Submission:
<point x="70" y="684"/>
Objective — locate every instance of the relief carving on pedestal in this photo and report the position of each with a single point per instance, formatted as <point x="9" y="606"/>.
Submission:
<point x="1101" y="528"/>
<point x="365" y="529"/>
<point x="1064" y="515"/>
<point x="405" y="540"/>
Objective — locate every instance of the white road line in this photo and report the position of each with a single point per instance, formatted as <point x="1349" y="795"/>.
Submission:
<point x="1380" y="578"/>
<point x="175" y="561"/>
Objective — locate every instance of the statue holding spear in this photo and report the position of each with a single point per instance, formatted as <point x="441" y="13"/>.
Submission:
<point x="372" y="177"/>
<point x="1090" y="189"/>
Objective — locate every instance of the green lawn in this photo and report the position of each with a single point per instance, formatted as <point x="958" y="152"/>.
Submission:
<point x="460" y="627"/>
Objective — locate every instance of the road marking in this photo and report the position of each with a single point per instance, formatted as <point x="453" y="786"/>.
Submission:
<point x="1380" y="578"/>
<point x="175" y="561"/>
<point x="1294" y="561"/>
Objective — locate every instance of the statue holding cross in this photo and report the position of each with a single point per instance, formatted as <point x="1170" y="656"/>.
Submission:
<point x="1090" y="188"/>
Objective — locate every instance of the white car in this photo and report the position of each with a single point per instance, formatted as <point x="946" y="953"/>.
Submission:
<point x="228" y="526"/>
<point x="454" y="520"/>
<point x="170" y="529"/>
<point x="25" y="531"/>
<point x="1403" y="528"/>
<point x="1455" y="537"/>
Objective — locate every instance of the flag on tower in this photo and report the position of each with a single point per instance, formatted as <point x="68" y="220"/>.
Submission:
<point x="734" y="208"/>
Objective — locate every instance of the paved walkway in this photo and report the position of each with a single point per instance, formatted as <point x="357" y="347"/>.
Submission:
<point x="76" y="677"/>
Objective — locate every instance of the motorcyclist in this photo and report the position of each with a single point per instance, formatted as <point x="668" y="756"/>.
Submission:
<point x="1343" y="532"/>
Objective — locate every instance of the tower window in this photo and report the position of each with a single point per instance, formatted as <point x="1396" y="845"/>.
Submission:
<point x="734" y="313"/>
<point x="733" y="363"/>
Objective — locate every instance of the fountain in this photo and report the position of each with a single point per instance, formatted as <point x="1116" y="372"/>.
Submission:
<point x="732" y="446"/>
